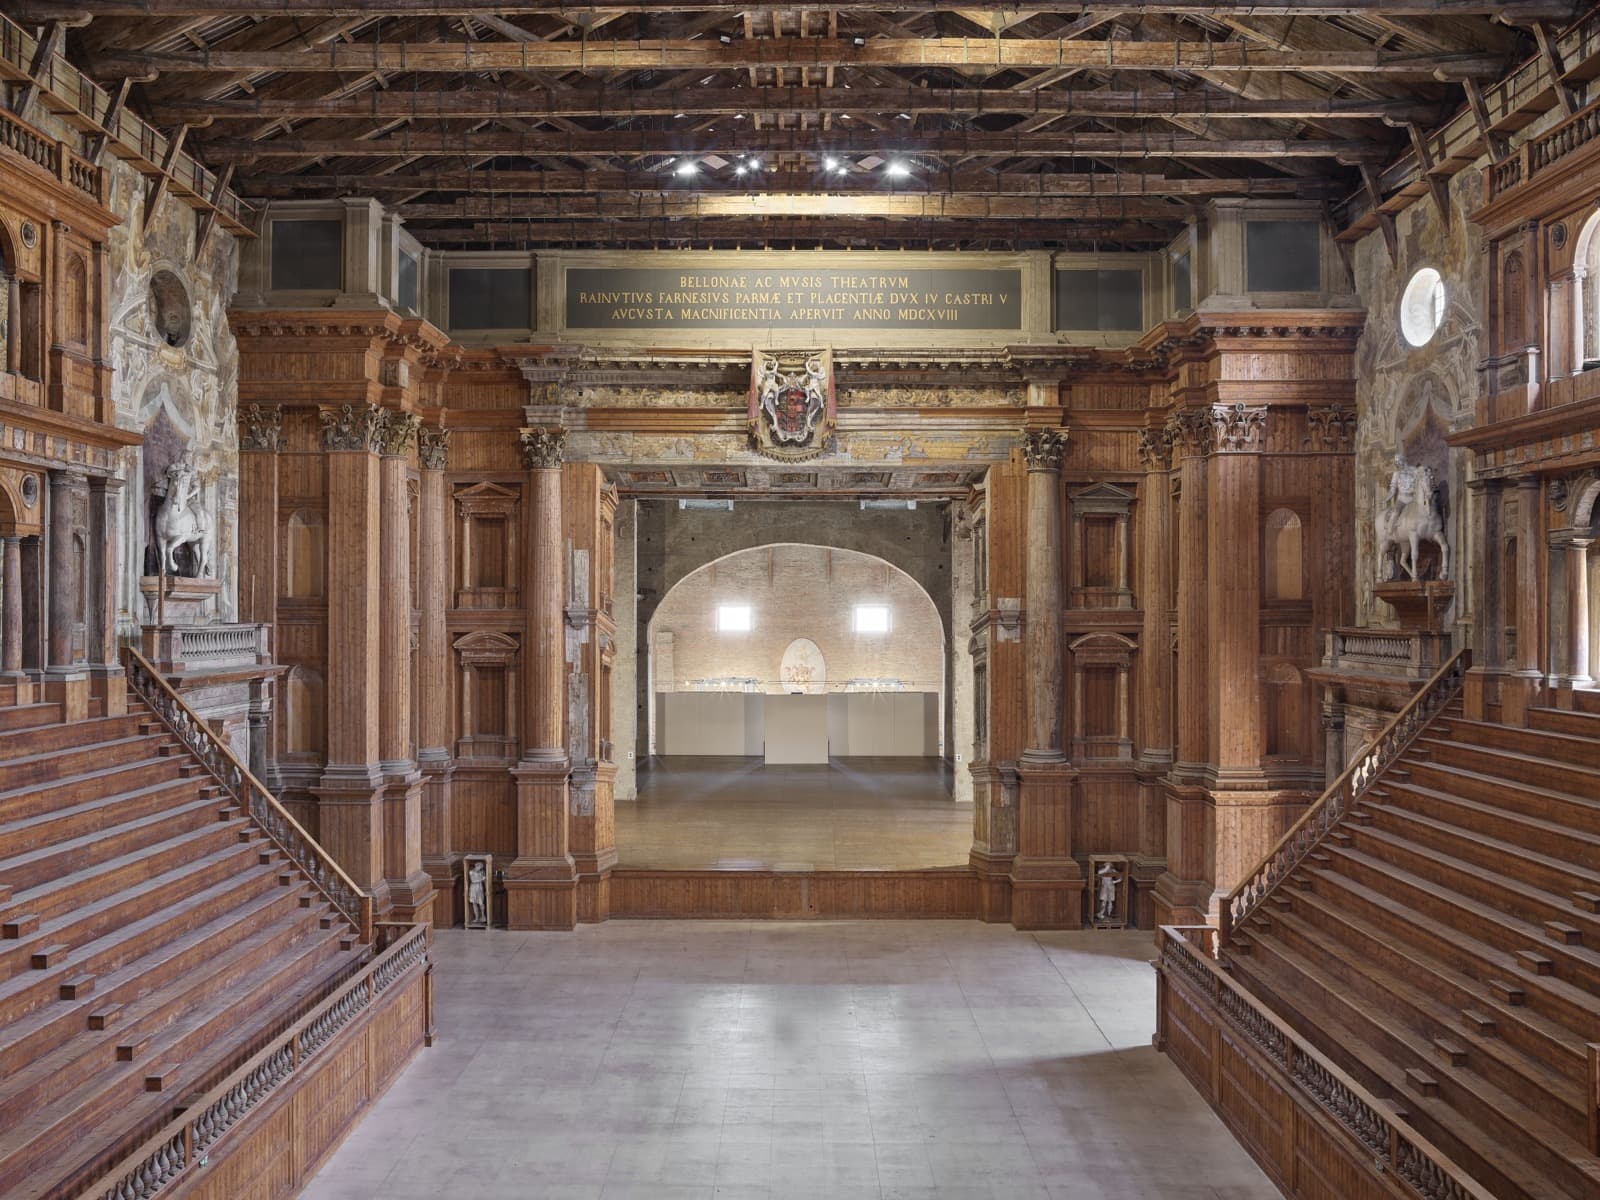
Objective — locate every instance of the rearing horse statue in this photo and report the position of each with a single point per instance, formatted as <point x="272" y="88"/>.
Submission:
<point x="181" y="522"/>
<point x="1410" y="518"/>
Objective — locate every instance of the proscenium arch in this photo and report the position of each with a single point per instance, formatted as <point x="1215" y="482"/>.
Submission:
<point x="647" y="627"/>
<point x="670" y="543"/>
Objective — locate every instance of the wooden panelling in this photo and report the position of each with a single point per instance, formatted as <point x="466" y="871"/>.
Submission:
<point x="793" y="895"/>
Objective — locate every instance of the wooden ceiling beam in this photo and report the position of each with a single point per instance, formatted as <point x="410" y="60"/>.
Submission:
<point x="622" y="103"/>
<point x="659" y="183"/>
<point x="759" y="231"/>
<point x="939" y="206"/>
<point x="37" y="11"/>
<point x="962" y="54"/>
<point x="726" y="143"/>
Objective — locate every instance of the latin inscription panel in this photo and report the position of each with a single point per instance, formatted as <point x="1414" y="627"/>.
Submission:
<point x="622" y="298"/>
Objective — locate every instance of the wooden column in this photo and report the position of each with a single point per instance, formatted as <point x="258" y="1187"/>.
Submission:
<point x="350" y="793"/>
<point x="410" y="888"/>
<point x="1485" y="545"/>
<point x="1182" y="892"/>
<point x="1576" y="550"/>
<point x="1524" y="683"/>
<point x="14" y="332"/>
<point x="66" y="678"/>
<point x="434" y="756"/>
<point x="1153" y="672"/>
<point x="589" y="516"/>
<point x="1046" y="881"/>
<point x="260" y="440"/>
<point x="105" y="669"/>
<point x="1243" y="826"/>
<point x="541" y="883"/>
<point x="11" y="608"/>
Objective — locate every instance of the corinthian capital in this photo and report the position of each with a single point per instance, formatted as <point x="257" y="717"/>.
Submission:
<point x="352" y="427"/>
<point x="1044" y="448"/>
<point x="433" y="448"/>
<point x="261" y="429"/>
<point x="1239" y="427"/>
<point x="542" y="448"/>
<point x="398" y="433"/>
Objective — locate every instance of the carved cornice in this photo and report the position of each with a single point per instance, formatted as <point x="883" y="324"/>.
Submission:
<point x="1238" y="428"/>
<point x="1332" y="428"/>
<point x="352" y="427"/>
<point x="1044" y="448"/>
<point x="543" y="449"/>
<point x="261" y="429"/>
<point x="1189" y="430"/>
<point x="398" y="433"/>
<point x="433" y="448"/>
<point x="1155" y="449"/>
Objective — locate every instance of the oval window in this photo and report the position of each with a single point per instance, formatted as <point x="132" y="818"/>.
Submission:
<point x="1422" y="307"/>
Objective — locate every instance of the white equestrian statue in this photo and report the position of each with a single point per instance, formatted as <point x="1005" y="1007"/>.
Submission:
<point x="181" y="521"/>
<point x="1410" y="517"/>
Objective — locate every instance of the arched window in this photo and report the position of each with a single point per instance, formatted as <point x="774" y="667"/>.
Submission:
<point x="75" y="303"/>
<point x="1513" y="304"/>
<point x="1282" y="558"/>
<point x="1586" y="294"/>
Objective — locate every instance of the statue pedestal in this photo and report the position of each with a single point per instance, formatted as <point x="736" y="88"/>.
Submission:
<point x="180" y="599"/>
<point x="1419" y="605"/>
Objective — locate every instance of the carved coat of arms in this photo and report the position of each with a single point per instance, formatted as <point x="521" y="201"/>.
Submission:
<point x="792" y="407"/>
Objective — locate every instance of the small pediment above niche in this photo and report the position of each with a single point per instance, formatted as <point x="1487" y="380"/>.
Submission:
<point x="487" y="497"/>
<point x="1102" y="497"/>
<point x="484" y="647"/>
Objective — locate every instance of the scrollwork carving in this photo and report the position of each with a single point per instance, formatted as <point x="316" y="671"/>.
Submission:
<point x="1238" y="427"/>
<point x="543" y="449"/>
<point x="262" y="429"/>
<point x="433" y="448"/>
<point x="1044" y="448"/>
<point x="1332" y="428"/>
<point x="352" y="427"/>
<point x="398" y="433"/>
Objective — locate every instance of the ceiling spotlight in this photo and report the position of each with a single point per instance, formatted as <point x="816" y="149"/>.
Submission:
<point x="859" y="41"/>
<point x="755" y="164"/>
<point x="830" y="163"/>
<point x="725" y="39"/>
<point x="840" y="169"/>
<point x="905" y="116"/>
<point x="897" y="170"/>
<point x="740" y="169"/>
<point x="686" y="169"/>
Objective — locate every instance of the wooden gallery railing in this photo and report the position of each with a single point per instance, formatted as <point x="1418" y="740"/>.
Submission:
<point x="1404" y="1163"/>
<point x="1335" y="803"/>
<point x="187" y="1143"/>
<point x="250" y="793"/>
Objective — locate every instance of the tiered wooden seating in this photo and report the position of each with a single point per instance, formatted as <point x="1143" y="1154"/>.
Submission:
<point x="150" y="937"/>
<point x="1442" y="945"/>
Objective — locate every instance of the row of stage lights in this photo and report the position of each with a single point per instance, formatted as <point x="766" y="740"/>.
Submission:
<point x="688" y="168"/>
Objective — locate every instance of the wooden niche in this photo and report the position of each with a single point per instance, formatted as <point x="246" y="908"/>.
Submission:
<point x="488" y="545"/>
<point x="486" y="694"/>
<point x="1102" y="696"/>
<point x="1101" y="549"/>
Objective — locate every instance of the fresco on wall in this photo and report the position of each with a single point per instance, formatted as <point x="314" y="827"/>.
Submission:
<point x="1410" y="397"/>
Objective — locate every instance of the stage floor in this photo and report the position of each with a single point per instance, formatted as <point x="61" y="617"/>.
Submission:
<point x="854" y="814"/>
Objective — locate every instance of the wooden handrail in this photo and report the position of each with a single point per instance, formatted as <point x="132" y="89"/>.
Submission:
<point x="185" y="1143"/>
<point x="1399" y="1150"/>
<point x="1330" y="808"/>
<point x="252" y="795"/>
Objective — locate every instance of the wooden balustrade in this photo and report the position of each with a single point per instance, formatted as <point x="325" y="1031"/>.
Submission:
<point x="250" y="793"/>
<point x="1373" y="1133"/>
<point x="1539" y="154"/>
<point x="1330" y="808"/>
<point x="185" y="1144"/>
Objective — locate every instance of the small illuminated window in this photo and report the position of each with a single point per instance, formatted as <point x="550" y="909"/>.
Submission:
<point x="733" y="618"/>
<point x="872" y="618"/>
<point x="1422" y="307"/>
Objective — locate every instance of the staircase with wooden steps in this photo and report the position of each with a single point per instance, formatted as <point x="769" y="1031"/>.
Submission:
<point x="1440" y="943"/>
<point x="152" y="937"/>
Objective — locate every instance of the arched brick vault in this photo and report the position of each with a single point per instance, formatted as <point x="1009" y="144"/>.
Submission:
<point x="674" y="542"/>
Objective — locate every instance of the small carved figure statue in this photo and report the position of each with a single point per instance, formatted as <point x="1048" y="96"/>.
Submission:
<point x="1106" y="892"/>
<point x="477" y="909"/>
